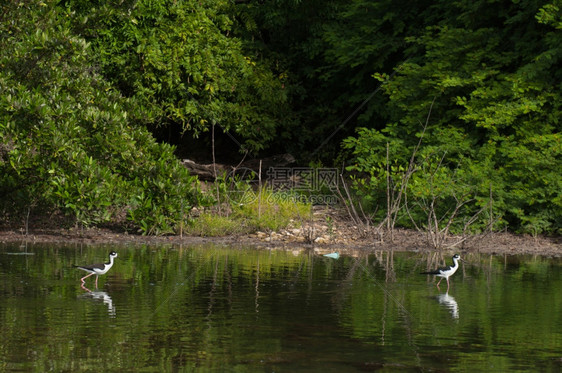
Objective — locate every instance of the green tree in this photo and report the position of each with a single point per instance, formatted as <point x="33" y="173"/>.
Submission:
<point x="329" y="51"/>
<point x="491" y="75"/>
<point x="181" y="63"/>
<point x="66" y="137"/>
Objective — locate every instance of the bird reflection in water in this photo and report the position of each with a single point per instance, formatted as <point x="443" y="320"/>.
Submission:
<point x="450" y="303"/>
<point x="97" y="296"/>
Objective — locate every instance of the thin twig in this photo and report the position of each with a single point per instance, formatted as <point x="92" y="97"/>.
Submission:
<point x="215" y="167"/>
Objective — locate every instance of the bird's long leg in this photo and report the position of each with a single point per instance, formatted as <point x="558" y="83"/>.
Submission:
<point x="85" y="277"/>
<point x="447" y="284"/>
<point x="439" y="281"/>
<point x="97" y="281"/>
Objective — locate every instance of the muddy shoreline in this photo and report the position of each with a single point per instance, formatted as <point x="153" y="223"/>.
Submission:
<point x="341" y="238"/>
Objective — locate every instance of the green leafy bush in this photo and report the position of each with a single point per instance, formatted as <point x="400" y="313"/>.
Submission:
<point x="181" y="63"/>
<point x="67" y="141"/>
<point x="494" y="95"/>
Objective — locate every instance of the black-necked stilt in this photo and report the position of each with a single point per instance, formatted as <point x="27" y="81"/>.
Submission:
<point x="447" y="271"/>
<point x="98" y="269"/>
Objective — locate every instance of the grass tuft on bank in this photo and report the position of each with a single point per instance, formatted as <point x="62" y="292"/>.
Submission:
<point x="261" y="210"/>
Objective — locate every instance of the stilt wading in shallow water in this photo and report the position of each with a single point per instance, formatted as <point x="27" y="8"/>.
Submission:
<point x="447" y="271"/>
<point x="99" y="268"/>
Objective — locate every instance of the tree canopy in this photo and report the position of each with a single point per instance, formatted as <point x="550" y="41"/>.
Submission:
<point x="489" y="74"/>
<point x="454" y="104"/>
<point x="178" y="60"/>
<point x="67" y="142"/>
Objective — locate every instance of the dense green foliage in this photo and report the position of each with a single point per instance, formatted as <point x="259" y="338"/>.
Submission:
<point x="177" y="60"/>
<point x="486" y="70"/>
<point x="452" y="110"/>
<point x="489" y="80"/>
<point x="331" y="50"/>
<point x="66" y="141"/>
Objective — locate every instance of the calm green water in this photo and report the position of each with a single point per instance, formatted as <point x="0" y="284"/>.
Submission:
<point x="226" y="309"/>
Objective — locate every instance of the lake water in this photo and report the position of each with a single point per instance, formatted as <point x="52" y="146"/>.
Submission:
<point x="230" y="309"/>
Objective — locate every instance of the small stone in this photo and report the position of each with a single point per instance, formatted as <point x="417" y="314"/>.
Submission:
<point x="322" y="239"/>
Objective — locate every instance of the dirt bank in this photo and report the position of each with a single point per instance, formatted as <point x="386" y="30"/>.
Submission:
<point x="333" y="234"/>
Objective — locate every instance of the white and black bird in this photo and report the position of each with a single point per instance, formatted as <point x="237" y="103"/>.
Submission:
<point x="447" y="271"/>
<point x="98" y="268"/>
